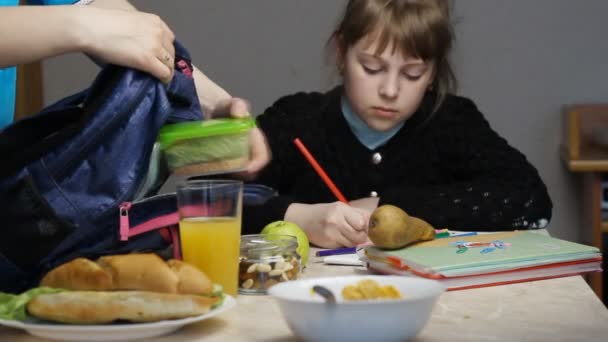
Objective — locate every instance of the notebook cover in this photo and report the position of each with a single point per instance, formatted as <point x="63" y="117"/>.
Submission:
<point x="498" y="251"/>
<point x="499" y="278"/>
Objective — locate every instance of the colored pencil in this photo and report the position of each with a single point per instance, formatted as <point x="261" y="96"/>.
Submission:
<point x="337" y="251"/>
<point x="315" y="165"/>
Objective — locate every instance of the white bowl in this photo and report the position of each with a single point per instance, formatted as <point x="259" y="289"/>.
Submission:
<point x="311" y="319"/>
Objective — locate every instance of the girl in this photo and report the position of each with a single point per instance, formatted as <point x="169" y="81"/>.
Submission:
<point x="393" y="134"/>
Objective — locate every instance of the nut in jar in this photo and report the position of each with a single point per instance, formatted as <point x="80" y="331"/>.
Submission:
<point x="267" y="260"/>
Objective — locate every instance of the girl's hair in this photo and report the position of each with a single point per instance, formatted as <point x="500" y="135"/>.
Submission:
<point x="419" y="28"/>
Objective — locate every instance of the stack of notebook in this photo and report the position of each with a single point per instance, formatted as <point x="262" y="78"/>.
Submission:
<point x="486" y="259"/>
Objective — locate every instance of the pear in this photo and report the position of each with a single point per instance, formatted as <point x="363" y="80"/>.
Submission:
<point x="391" y="228"/>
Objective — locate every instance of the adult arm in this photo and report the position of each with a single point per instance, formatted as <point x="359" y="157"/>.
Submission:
<point x="134" y="39"/>
<point x="215" y="100"/>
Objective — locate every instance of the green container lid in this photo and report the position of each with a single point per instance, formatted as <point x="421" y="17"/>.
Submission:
<point x="170" y="134"/>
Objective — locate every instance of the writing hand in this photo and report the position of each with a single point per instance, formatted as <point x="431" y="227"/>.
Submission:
<point x="330" y="225"/>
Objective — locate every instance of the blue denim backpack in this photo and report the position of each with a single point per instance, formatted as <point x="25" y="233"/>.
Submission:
<point x="70" y="174"/>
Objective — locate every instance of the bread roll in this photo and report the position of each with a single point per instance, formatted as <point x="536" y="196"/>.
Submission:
<point x="146" y="272"/>
<point x="90" y="307"/>
<point x="78" y="274"/>
<point x="191" y="279"/>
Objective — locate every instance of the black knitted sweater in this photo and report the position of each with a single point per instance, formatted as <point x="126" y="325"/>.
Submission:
<point x="448" y="168"/>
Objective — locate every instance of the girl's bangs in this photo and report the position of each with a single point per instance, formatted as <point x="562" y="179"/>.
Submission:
<point x="412" y="37"/>
<point x="414" y="33"/>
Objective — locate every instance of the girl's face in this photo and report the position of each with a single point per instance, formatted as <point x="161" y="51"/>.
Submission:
<point x="386" y="89"/>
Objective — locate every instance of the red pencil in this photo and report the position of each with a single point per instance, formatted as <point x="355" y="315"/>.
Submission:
<point x="320" y="170"/>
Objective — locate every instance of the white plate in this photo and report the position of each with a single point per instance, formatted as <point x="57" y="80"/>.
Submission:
<point x="113" y="332"/>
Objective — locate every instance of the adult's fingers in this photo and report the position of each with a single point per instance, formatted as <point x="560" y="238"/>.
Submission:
<point x="168" y="49"/>
<point x="167" y="58"/>
<point x="232" y="107"/>
<point x="239" y="108"/>
<point x="260" y="153"/>
<point x="160" y="69"/>
<point x="169" y="33"/>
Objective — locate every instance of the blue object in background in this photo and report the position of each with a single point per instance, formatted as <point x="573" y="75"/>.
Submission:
<point x="257" y="194"/>
<point x="8" y="77"/>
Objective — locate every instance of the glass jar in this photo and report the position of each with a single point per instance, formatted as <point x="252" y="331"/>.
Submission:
<point x="266" y="260"/>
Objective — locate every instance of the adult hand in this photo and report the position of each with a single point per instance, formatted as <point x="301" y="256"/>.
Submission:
<point x="235" y="107"/>
<point x="129" y="38"/>
<point x="330" y="225"/>
<point x="259" y="151"/>
<point x="259" y="155"/>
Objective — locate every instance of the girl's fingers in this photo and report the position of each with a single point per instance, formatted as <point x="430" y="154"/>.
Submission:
<point x="343" y="240"/>
<point x="356" y="220"/>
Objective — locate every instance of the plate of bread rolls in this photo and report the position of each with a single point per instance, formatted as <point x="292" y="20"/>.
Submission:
<point x="121" y="297"/>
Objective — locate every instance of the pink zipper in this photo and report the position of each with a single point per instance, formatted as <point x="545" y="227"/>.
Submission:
<point x="126" y="230"/>
<point x="124" y="221"/>
<point x="169" y="221"/>
<point x="183" y="66"/>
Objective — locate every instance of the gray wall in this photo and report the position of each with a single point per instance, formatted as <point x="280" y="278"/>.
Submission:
<point x="519" y="60"/>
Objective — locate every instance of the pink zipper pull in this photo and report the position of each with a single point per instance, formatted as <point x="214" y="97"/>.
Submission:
<point x="183" y="66"/>
<point x="124" y="221"/>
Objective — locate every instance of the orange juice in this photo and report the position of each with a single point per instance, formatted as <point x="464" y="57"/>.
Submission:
<point x="212" y="244"/>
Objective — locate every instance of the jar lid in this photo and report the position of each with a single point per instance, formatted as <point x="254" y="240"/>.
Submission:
<point x="172" y="133"/>
<point x="267" y="245"/>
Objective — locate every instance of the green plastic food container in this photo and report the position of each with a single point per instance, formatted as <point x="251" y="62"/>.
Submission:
<point x="206" y="147"/>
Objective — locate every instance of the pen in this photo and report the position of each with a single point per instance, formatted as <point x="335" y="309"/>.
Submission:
<point x="444" y="233"/>
<point x="473" y="244"/>
<point x="463" y="234"/>
<point x="337" y="251"/>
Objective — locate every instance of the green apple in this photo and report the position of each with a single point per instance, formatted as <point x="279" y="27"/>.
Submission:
<point x="290" y="228"/>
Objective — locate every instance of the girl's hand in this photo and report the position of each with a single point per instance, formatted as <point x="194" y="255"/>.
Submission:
<point x="367" y="203"/>
<point x="128" y="38"/>
<point x="330" y="225"/>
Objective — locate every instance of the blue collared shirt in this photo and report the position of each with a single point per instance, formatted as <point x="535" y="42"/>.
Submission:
<point x="369" y="137"/>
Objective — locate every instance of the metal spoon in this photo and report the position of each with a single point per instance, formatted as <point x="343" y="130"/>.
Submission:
<point x="325" y="293"/>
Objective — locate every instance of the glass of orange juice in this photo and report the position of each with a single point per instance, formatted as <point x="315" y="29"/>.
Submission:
<point x="210" y="228"/>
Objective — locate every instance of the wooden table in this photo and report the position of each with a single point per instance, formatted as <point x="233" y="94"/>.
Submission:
<point x="563" y="309"/>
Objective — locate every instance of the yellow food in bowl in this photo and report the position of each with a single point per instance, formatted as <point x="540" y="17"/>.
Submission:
<point x="368" y="289"/>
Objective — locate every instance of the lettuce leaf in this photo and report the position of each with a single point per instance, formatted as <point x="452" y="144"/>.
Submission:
<point x="207" y="150"/>
<point x="12" y="307"/>
<point x="217" y="291"/>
